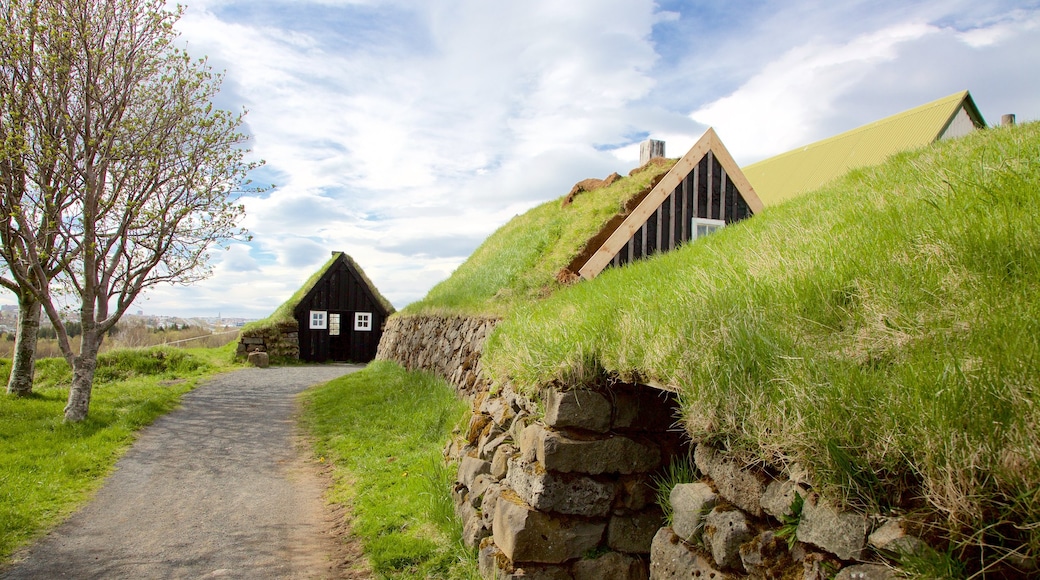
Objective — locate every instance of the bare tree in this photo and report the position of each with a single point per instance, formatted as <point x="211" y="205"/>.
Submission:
<point x="33" y="178"/>
<point x="151" y="169"/>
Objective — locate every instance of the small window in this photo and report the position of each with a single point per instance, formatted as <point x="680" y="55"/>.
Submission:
<point x="704" y="226"/>
<point x="362" y="321"/>
<point x="334" y="324"/>
<point x="318" y="321"/>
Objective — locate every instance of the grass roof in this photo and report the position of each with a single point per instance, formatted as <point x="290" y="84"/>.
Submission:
<point x="520" y="261"/>
<point x="882" y="333"/>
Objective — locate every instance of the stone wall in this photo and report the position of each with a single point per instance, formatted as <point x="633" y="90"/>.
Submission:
<point x="562" y="485"/>
<point x="279" y="341"/>
<point x="449" y="346"/>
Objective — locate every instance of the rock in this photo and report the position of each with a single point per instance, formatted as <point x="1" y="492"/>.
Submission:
<point x="780" y="496"/>
<point x="579" y="408"/>
<point x="635" y="492"/>
<point x="671" y="559"/>
<point x="526" y="535"/>
<point x="691" y="502"/>
<point x="610" y="566"/>
<point x="892" y="537"/>
<point x="843" y="534"/>
<point x="470" y="468"/>
<point x="634" y="533"/>
<point x="473" y="528"/>
<point x="765" y="556"/>
<point x="867" y="572"/>
<point x="738" y="486"/>
<point x="561" y="493"/>
<point x="259" y="359"/>
<point x="724" y="532"/>
<point x="613" y="454"/>
<point x="491" y="562"/>
<point x="500" y="461"/>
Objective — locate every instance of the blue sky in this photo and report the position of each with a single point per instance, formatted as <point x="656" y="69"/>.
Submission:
<point x="404" y="132"/>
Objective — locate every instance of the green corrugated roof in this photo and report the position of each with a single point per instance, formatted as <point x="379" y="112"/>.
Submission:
<point x="807" y="168"/>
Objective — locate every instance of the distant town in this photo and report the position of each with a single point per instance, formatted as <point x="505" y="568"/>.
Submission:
<point x="9" y="321"/>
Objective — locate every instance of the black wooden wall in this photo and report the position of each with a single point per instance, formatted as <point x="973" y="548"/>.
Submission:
<point x="340" y="291"/>
<point x="706" y="192"/>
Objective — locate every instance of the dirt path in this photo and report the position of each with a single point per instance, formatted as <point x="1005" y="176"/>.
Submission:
<point x="222" y="487"/>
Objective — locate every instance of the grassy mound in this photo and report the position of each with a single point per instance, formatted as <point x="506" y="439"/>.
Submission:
<point x="519" y="262"/>
<point x="882" y="333"/>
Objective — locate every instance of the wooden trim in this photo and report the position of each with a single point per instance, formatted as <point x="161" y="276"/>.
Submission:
<point x="653" y="200"/>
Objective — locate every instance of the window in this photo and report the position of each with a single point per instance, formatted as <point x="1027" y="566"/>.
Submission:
<point x="362" y="321"/>
<point x="334" y="324"/>
<point x="704" y="226"/>
<point x="318" y="319"/>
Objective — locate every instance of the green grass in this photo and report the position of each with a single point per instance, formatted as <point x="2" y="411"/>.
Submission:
<point x="384" y="430"/>
<point x="49" y="468"/>
<point x="883" y="332"/>
<point x="519" y="262"/>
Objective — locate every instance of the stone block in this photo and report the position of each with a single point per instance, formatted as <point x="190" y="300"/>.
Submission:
<point x="578" y="408"/>
<point x="636" y="492"/>
<point x="500" y="460"/>
<point x="470" y="468"/>
<point x="634" y="533"/>
<point x="473" y="528"/>
<point x="491" y="562"/>
<point x="487" y="450"/>
<point x="843" y="534"/>
<point x="724" y="532"/>
<point x="259" y="359"/>
<point x="611" y="454"/>
<point x="765" y="556"/>
<point x="779" y="496"/>
<point x="691" y="502"/>
<point x="500" y="411"/>
<point x="743" y="488"/>
<point x="610" y="566"/>
<point x="252" y="340"/>
<point x="893" y="537"/>
<point x="477" y="423"/>
<point x="561" y="493"/>
<point x="526" y="535"/>
<point x="644" y="408"/>
<point x="867" y="572"/>
<point x="672" y="559"/>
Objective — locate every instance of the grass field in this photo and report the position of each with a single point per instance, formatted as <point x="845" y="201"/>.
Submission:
<point x="384" y="431"/>
<point x="49" y="467"/>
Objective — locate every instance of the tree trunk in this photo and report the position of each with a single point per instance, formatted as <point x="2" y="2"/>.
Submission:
<point x="23" y="366"/>
<point x="83" y="377"/>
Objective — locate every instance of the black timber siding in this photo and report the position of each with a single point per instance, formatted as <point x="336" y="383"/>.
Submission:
<point x="706" y="192"/>
<point x="340" y="291"/>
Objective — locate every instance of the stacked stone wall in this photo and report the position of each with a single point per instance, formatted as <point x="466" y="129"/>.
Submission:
<point x="561" y="485"/>
<point x="280" y="341"/>
<point x="449" y="346"/>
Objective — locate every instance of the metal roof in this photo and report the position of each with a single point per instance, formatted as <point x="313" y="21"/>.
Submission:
<point x="804" y="169"/>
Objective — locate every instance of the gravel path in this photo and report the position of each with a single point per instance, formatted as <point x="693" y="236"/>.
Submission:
<point x="222" y="487"/>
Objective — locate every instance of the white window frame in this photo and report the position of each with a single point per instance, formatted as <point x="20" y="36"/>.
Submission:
<point x="710" y="224"/>
<point x="363" y="321"/>
<point x="334" y="322"/>
<point x="319" y="319"/>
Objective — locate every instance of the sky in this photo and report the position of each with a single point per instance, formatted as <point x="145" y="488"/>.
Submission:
<point x="404" y="132"/>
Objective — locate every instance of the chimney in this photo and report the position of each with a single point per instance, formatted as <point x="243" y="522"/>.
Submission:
<point x="650" y="149"/>
<point x="1007" y="120"/>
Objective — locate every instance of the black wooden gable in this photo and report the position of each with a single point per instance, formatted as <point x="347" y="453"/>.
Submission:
<point x="705" y="184"/>
<point x="706" y="192"/>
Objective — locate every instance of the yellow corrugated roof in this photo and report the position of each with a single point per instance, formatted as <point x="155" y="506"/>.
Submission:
<point x="807" y="168"/>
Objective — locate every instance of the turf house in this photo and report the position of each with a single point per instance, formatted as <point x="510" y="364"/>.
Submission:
<point x="337" y="315"/>
<point x="703" y="191"/>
